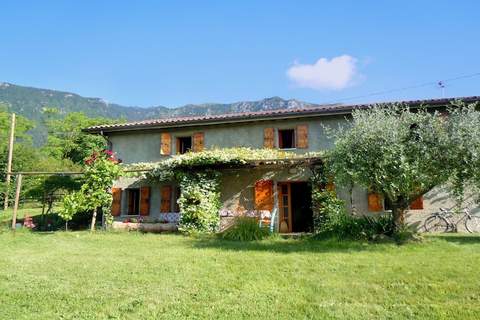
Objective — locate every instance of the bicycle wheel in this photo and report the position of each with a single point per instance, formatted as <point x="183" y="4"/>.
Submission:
<point x="436" y="224"/>
<point x="472" y="224"/>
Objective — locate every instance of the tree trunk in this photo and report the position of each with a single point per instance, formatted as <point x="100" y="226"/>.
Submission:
<point x="94" y="219"/>
<point x="398" y="214"/>
<point x="352" y="206"/>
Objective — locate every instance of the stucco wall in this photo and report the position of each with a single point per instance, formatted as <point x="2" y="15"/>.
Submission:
<point x="130" y="183"/>
<point x="237" y="194"/>
<point x="238" y="185"/>
<point x="144" y="146"/>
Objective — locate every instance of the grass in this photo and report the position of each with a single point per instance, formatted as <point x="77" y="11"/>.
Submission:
<point x="77" y="275"/>
<point x="6" y="216"/>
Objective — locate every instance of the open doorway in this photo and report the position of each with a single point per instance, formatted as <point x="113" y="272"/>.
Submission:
<point x="295" y="208"/>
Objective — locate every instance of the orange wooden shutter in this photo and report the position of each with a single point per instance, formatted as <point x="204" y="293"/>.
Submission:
<point x="417" y="204"/>
<point x="330" y="186"/>
<point x="198" y="141"/>
<point x="302" y="136"/>
<point x="166" y="144"/>
<point x="269" y="138"/>
<point x="116" y="201"/>
<point x="374" y="202"/>
<point x="177" y="146"/>
<point x="166" y="199"/>
<point x="264" y="195"/>
<point x="144" y="201"/>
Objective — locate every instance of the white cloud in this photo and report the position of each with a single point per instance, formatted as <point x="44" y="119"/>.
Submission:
<point x="334" y="74"/>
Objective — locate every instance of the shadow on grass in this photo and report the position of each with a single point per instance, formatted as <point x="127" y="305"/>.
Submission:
<point x="290" y="246"/>
<point x="458" y="238"/>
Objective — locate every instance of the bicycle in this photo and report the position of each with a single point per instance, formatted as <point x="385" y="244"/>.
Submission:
<point x="439" y="222"/>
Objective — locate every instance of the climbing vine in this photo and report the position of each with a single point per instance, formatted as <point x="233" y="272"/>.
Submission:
<point x="199" y="201"/>
<point x="199" y="180"/>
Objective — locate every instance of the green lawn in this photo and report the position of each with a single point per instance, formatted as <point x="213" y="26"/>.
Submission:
<point x="144" y="276"/>
<point x="6" y="216"/>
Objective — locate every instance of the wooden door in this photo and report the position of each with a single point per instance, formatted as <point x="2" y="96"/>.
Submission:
<point x="284" y="207"/>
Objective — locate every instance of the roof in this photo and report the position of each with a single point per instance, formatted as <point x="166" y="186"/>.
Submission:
<point x="321" y="110"/>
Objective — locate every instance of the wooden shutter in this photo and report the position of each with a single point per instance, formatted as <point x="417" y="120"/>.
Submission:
<point x="269" y="138"/>
<point x="375" y="202"/>
<point x="198" y="141"/>
<point x="166" y="144"/>
<point x="166" y="199"/>
<point x="417" y="204"/>
<point x="302" y="136"/>
<point x="116" y="201"/>
<point x="177" y="146"/>
<point x="264" y="195"/>
<point x="330" y="186"/>
<point x="144" y="201"/>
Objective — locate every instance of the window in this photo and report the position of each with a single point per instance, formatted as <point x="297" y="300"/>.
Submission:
<point x="133" y="201"/>
<point x="286" y="139"/>
<point x="184" y="144"/>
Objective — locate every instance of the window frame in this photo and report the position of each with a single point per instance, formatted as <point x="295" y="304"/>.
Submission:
<point x="280" y="138"/>
<point x="179" y="143"/>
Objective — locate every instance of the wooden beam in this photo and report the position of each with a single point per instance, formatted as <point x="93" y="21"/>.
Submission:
<point x="17" y="199"/>
<point x="9" y="161"/>
<point x="51" y="173"/>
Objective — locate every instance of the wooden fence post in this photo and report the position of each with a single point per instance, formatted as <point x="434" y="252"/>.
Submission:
<point x="17" y="199"/>
<point x="9" y="161"/>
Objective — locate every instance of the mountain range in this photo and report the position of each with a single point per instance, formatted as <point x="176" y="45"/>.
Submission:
<point x="31" y="102"/>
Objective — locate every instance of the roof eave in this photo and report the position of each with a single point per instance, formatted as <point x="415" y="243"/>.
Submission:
<point x="140" y="127"/>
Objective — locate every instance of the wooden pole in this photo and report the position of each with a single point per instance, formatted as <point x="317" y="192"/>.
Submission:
<point x="9" y="163"/>
<point x="17" y="199"/>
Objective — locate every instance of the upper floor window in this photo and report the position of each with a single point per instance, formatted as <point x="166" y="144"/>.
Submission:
<point x="286" y="138"/>
<point x="184" y="144"/>
<point x="195" y="143"/>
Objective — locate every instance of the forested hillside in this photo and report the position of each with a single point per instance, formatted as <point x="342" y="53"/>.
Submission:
<point x="33" y="103"/>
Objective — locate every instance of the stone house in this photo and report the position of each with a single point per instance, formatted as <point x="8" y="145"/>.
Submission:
<point x="277" y="191"/>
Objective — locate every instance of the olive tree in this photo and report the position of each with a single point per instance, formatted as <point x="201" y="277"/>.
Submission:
<point x="402" y="153"/>
<point x="464" y="152"/>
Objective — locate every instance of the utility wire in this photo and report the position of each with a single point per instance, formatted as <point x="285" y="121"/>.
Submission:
<point x="421" y="85"/>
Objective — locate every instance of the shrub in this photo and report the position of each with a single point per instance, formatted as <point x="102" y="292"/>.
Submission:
<point x="48" y="222"/>
<point x="375" y="227"/>
<point x="245" y="229"/>
<point x="329" y="212"/>
<point x="332" y="219"/>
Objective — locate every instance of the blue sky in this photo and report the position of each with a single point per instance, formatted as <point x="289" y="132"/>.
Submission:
<point x="157" y="53"/>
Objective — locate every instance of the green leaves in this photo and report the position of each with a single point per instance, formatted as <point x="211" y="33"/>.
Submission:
<point x="100" y="173"/>
<point x="200" y="195"/>
<point x="67" y="141"/>
<point x="404" y="153"/>
<point x="199" y="201"/>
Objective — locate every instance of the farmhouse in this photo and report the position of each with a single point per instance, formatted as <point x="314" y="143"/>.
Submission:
<point x="275" y="190"/>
